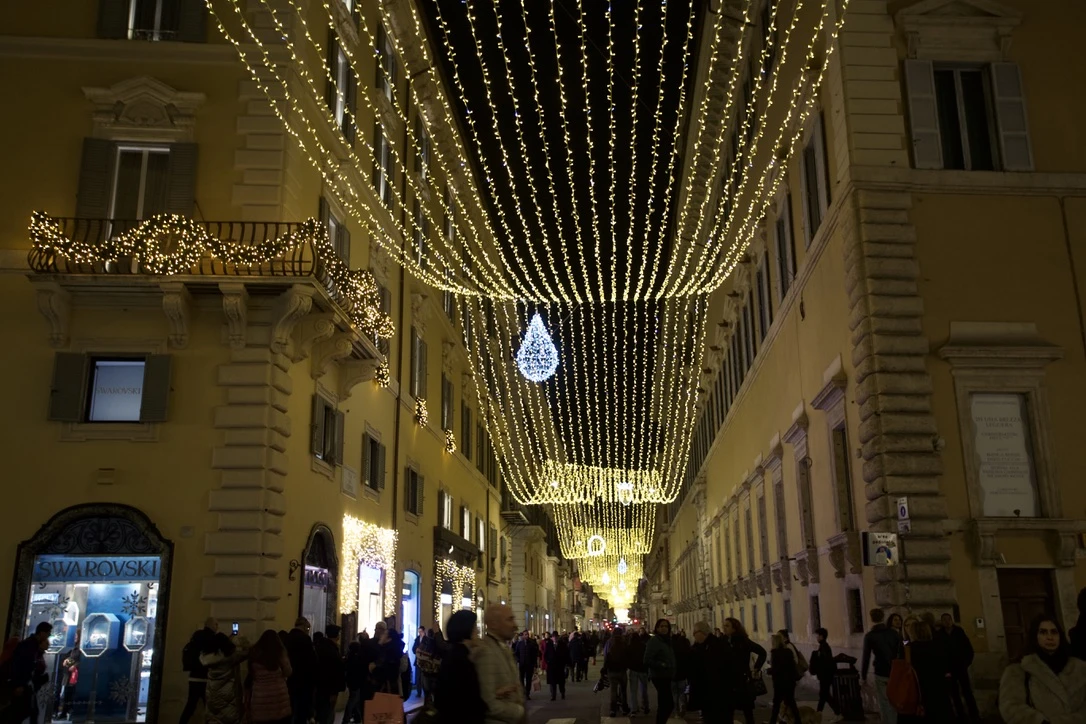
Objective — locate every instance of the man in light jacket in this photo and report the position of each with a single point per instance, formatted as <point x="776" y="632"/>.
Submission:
<point x="499" y="679"/>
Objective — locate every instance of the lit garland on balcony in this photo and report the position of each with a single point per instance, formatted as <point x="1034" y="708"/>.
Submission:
<point x="373" y="546"/>
<point x="189" y="245"/>
<point x="382" y="376"/>
<point x="458" y="578"/>
<point x="422" y="415"/>
<point x="450" y="442"/>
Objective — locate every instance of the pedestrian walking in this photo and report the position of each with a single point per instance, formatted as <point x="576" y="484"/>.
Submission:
<point x="497" y="671"/>
<point x="267" y="699"/>
<point x="459" y="698"/>
<point x="355" y="674"/>
<point x="1048" y="684"/>
<point x="959" y="650"/>
<point x="557" y="661"/>
<point x="615" y="665"/>
<point x="785" y="673"/>
<point x="680" y="644"/>
<point x="526" y="652"/>
<point x="743" y="679"/>
<point x="303" y="665"/>
<point x="638" y="674"/>
<point x="190" y="662"/>
<point x="420" y="635"/>
<point x="709" y="674"/>
<point x="883" y="644"/>
<point x="331" y="676"/>
<point x="824" y="668"/>
<point x="660" y="665"/>
<point x="1078" y="633"/>
<point x="577" y="656"/>
<point x="929" y="661"/>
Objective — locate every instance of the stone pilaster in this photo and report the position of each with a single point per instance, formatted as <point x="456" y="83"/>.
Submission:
<point x="893" y="391"/>
<point x="247" y="545"/>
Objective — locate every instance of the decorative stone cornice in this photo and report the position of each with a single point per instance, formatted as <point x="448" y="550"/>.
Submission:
<point x="1063" y="536"/>
<point x="312" y="330"/>
<point x="338" y="346"/>
<point x="774" y="459"/>
<point x="998" y="346"/>
<point x="845" y="554"/>
<point x="293" y="305"/>
<point x="833" y="390"/>
<point x="796" y="435"/>
<point x="977" y="30"/>
<point x="354" y="372"/>
<point x="176" y="304"/>
<point x="781" y="572"/>
<point x="807" y="566"/>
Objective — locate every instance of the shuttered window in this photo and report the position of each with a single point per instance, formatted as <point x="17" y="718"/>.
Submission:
<point x="153" y="20"/>
<point x="415" y="486"/>
<point x="327" y="423"/>
<point x="373" y="463"/>
<point x="786" y="250"/>
<point x="418" y="365"/>
<point x="816" y="198"/>
<point x="387" y="68"/>
<point x="338" y="233"/>
<point x="101" y="389"/>
<point x="342" y="88"/>
<point x="130" y="181"/>
<point x="465" y="431"/>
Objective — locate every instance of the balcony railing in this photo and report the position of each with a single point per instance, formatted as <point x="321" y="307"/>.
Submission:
<point x="169" y="245"/>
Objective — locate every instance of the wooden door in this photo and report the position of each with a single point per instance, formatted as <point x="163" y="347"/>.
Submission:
<point x="1024" y="593"/>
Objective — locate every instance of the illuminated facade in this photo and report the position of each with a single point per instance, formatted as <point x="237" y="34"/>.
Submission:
<point x="905" y="324"/>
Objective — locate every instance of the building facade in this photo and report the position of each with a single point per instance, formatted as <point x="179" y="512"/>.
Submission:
<point x="906" y="327"/>
<point x="245" y="409"/>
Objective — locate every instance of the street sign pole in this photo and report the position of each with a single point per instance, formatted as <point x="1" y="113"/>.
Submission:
<point x="904" y="526"/>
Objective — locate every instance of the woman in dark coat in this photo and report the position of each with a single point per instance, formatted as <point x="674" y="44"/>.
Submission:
<point x="457" y="697"/>
<point x="932" y="665"/>
<point x="783" y="669"/>
<point x="737" y="689"/>
<point x="824" y="668"/>
<point x="557" y="661"/>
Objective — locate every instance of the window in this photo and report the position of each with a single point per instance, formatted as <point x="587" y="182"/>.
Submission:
<point x="855" y="611"/>
<point x="479" y="445"/>
<point x="749" y="520"/>
<point x="816" y="613"/>
<point x="738" y="551"/>
<point x="763" y="530"/>
<point x="782" y="521"/>
<point x="769" y="617"/>
<point x="465" y="431"/>
<point x="786" y="251"/>
<point x="327" y="428"/>
<point x="754" y="616"/>
<point x="418" y="365"/>
<point x="387" y="68"/>
<point x="842" y="479"/>
<point x="384" y="172"/>
<point x="153" y="19"/>
<point x="465" y="522"/>
<point x="748" y="333"/>
<point x="422" y="150"/>
<point x="341" y="92"/>
<point x="788" y="615"/>
<point x="765" y="304"/>
<point x="109" y="389"/>
<point x="494" y="548"/>
<point x="480" y="533"/>
<point x="727" y="554"/>
<point x="422" y="236"/>
<point x="816" y="199"/>
<point x="968" y="117"/>
<point x="338" y="234"/>
<point x="413" y="495"/>
<point x="446" y="403"/>
<point x="448" y="300"/>
<point x="445" y="510"/>
<point x="373" y="463"/>
<point x="139" y="182"/>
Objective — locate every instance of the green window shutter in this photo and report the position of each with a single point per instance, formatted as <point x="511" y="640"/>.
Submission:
<point x="419" y="499"/>
<point x="410" y="490"/>
<point x="350" y="129"/>
<point x="113" y="19"/>
<point x="343" y="244"/>
<point x="366" y="477"/>
<point x="337" y="449"/>
<point x="330" y="86"/>
<point x="316" y="444"/>
<point x="95" y="179"/>
<point x="181" y="184"/>
<point x="380" y="467"/>
<point x="422" y="369"/>
<point x="155" y="402"/>
<point x="192" y="21"/>
<point x="68" y="392"/>
<point x="441" y="508"/>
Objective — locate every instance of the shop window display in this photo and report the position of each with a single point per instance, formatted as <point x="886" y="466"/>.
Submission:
<point x="411" y="613"/>
<point x="319" y="594"/>
<point x="103" y="610"/>
<point x="371" y="601"/>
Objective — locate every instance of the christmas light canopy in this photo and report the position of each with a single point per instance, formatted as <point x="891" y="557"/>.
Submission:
<point x="537" y="357"/>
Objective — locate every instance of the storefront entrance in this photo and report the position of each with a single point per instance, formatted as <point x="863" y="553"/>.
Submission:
<point x="321" y="572"/>
<point x="99" y="574"/>
<point x="410" y="611"/>
<point x="371" y="597"/>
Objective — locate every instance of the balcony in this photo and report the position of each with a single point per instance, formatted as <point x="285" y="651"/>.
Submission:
<point x="177" y="256"/>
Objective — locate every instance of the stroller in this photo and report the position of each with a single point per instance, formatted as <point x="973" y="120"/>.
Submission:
<point x="602" y="684"/>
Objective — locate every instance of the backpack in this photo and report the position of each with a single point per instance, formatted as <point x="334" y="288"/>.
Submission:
<point x="903" y="688"/>
<point x="801" y="663"/>
<point x="190" y="656"/>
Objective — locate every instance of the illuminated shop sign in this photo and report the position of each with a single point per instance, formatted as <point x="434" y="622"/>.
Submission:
<point x="317" y="577"/>
<point x="96" y="569"/>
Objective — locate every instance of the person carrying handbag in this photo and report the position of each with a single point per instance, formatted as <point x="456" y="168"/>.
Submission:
<point x="745" y="682"/>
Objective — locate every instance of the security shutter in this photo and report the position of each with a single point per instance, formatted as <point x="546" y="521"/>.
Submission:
<point x="316" y="444"/>
<point x="366" y="476"/>
<point x="380" y="467"/>
<point x="181" y="184"/>
<point x="192" y="21"/>
<point x="95" y="179"/>
<point x="923" y="114"/>
<point x="154" y="403"/>
<point x="1010" y="104"/>
<point x="68" y="392"/>
<point x="337" y="448"/>
<point x="113" y="19"/>
<point x="330" y="87"/>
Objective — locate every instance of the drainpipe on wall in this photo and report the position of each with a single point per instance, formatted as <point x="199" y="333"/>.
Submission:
<point x="1062" y="201"/>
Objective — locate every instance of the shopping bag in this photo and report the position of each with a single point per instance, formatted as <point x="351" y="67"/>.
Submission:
<point x="383" y="709"/>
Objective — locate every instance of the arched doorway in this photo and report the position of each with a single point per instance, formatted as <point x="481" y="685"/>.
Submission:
<point x="411" y="610"/>
<point x="100" y="574"/>
<point x="319" y="600"/>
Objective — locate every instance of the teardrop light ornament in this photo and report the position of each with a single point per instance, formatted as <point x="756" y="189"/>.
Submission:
<point x="537" y="357"/>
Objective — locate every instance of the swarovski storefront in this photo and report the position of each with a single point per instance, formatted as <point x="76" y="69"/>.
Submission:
<point x="99" y="573"/>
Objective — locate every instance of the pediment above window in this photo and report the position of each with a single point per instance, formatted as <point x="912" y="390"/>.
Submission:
<point x="143" y="109"/>
<point x="958" y="30"/>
